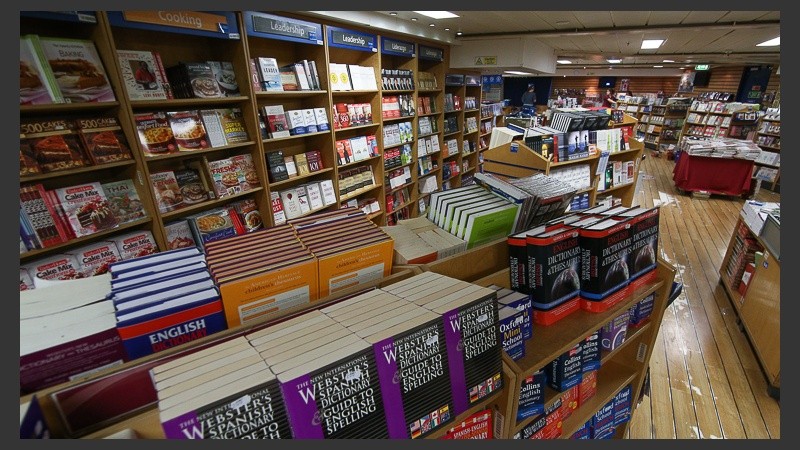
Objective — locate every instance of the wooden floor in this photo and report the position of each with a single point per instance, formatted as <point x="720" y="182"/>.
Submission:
<point x="705" y="379"/>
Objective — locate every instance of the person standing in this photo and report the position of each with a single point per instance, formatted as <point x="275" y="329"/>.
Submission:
<point x="609" y="98"/>
<point x="529" y="97"/>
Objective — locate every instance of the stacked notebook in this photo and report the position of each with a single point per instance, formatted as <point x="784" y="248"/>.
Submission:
<point x="164" y="300"/>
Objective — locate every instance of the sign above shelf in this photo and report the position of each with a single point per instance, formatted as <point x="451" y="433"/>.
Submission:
<point x="270" y="26"/>
<point x="352" y="40"/>
<point x="215" y="24"/>
<point x="431" y="53"/>
<point x="67" y="16"/>
<point x="398" y="48"/>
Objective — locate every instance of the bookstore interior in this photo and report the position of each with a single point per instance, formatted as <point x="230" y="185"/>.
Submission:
<point x="318" y="225"/>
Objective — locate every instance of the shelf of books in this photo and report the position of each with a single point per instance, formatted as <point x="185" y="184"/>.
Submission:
<point x="768" y="138"/>
<point x="399" y="107"/>
<point x="359" y="138"/>
<point x="83" y="204"/>
<point x="189" y="96"/>
<point x="472" y="117"/>
<point x="709" y="118"/>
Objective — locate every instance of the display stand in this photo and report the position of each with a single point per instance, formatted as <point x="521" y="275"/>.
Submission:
<point x="759" y="309"/>
<point x="627" y="364"/>
<point x="725" y="176"/>
<point x="770" y="141"/>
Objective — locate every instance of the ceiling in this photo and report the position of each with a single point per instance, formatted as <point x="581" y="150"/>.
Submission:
<point x="588" y="38"/>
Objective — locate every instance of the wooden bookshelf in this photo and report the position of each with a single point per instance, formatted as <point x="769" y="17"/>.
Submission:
<point x="72" y="172"/>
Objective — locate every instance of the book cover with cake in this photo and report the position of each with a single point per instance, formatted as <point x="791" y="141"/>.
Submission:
<point x="78" y="70"/>
<point x="141" y="74"/>
<point x="37" y="85"/>
<point x="103" y="140"/>
<point x="86" y="208"/>
<point x="123" y="198"/>
<point x="54" y="143"/>
<point x="135" y="244"/>
<point x="191" y="186"/>
<point x="95" y="259"/>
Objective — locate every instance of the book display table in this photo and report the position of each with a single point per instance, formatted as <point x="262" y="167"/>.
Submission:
<point x="725" y="176"/>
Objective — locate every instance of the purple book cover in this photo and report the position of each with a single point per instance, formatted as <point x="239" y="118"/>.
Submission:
<point x="256" y="413"/>
<point x="389" y="376"/>
<point x="299" y="396"/>
<point x="455" y="359"/>
<point x="33" y="425"/>
<point x="63" y="362"/>
<point x="614" y="332"/>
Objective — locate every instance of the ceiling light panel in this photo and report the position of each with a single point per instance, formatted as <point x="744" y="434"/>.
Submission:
<point x="650" y="44"/>
<point x="437" y="14"/>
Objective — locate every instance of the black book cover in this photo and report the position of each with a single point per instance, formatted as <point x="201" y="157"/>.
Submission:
<point x="554" y="259"/>
<point x="604" y="257"/>
<point x="277" y="166"/>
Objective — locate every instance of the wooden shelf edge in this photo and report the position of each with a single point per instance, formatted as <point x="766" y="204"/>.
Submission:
<point x="189" y="154"/>
<point x="296" y="136"/>
<point x="355" y="194"/>
<point x="299" y="178"/>
<point x="180" y="102"/>
<point x="65" y="173"/>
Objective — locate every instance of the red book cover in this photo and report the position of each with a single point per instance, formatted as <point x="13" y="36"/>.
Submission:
<point x="60" y="216"/>
<point x="86" y="208"/>
<point x="35" y="208"/>
<point x="476" y="426"/>
<point x="237" y="221"/>
<point x="55" y="144"/>
<point x="103" y="140"/>
<point x="343" y="115"/>
<point x="163" y="72"/>
<point x="255" y="75"/>
<point x="50" y="200"/>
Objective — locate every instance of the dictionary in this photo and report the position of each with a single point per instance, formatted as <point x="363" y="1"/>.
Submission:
<point x="604" y="249"/>
<point x="643" y="251"/>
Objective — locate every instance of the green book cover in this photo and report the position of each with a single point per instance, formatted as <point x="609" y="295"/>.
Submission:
<point x="490" y="225"/>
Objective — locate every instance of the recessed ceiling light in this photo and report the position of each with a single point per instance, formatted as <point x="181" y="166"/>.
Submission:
<point x="681" y="68"/>
<point x="658" y="67"/>
<point x="562" y="22"/>
<point x="667" y="60"/>
<point x="413" y="19"/>
<point x="770" y="43"/>
<point x="565" y="76"/>
<point x="614" y="61"/>
<point x="437" y="14"/>
<point x="516" y="72"/>
<point x="459" y="33"/>
<point x="432" y="25"/>
<point x="447" y="29"/>
<point x="564" y="61"/>
<point x="649" y="44"/>
<point x="392" y="13"/>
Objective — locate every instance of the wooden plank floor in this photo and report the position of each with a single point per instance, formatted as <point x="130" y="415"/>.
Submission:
<point x="706" y="381"/>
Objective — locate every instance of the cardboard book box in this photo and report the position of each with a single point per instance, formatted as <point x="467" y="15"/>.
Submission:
<point x="354" y="266"/>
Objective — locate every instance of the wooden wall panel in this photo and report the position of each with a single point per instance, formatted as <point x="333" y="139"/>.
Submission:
<point x="723" y="79"/>
<point x="645" y="85"/>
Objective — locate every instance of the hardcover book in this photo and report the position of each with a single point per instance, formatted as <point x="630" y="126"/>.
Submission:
<point x="78" y="70"/>
<point x="155" y="134"/>
<point x="191" y="186"/>
<point x="212" y="225"/>
<point x="27" y="160"/>
<point x="103" y="140"/>
<point x="277" y="166"/>
<point x="314" y="159"/>
<point x="310" y="120"/>
<point x="225" y="77"/>
<point x="328" y="193"/>
<point x="301" y="162"/>
<point x="476" y="426"/>
<point x="291" y="203"/>
<point x="201" y="79"/>
<point x="289" y="81"/>
<point x="248" y="177"/>
<point x="291" y="168"/>
<point x="278" y="215"/>
<point x="179" y="235"/>
<point x="314" y="196"/>
<point x="188" y="130"/>
<point x="86" y="208"/>
<point x="135" y="244"/>
<point x="37" y="83"/>
<point x="123" y="199"/>
<point x="531" y="396"/>
<point x="248" y="213"/>
<point x="95" y="259"/>
<point x="141" y="75"/>
<point x="55" y="144"/>
<point x="276" y="121"/>
<point x="321" y="118"/>
<point x="227" y="177"/>
<point x="213" y="125"/>
<point x="233" y="125"/>
<point x="167" y="192"/>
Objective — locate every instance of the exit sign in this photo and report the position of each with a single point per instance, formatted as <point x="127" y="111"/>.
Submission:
<point x="701" y="67"/>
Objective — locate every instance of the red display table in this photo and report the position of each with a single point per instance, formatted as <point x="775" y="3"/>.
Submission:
<point x="726" y="176"/>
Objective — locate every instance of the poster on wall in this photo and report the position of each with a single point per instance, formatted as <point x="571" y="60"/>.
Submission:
<point x="687" y="81"/>
<point x="492" y="88"/>
<point x="624" y="85"/>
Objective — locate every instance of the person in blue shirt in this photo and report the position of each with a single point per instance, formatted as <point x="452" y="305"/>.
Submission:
<point x="529" y="97"/>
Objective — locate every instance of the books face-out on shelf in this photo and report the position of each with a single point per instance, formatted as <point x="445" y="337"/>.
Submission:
<point x="37" y="83"/>
<point x="124" y="201"/>
<point x="54" y="144"/>
<point x="270" y="74"/>
<point x="155" y="134"/>
<point x="188" y="130"/>
<point x="78" y="69"/>
<point x="103" y="140"/>
<point x="86" y="208"/>
<point x="143" y="75"/>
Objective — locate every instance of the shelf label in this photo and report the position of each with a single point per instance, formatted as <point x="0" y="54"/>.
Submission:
<point x="274" y="26"/>
<point x="354" y="40"/>
<point x="395" y="47"/>
<point x="193" y="20"/>
<point x="431" y="53"/>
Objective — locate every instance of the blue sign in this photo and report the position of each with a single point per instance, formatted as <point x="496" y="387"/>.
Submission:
<point x="431" y="53"/>
<point x="353" y="40"/>
<point x="67" y="16"/>
<point x="399" y="48"/>
<point x="282" y="28"/>
<point x="492" y="79"/>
